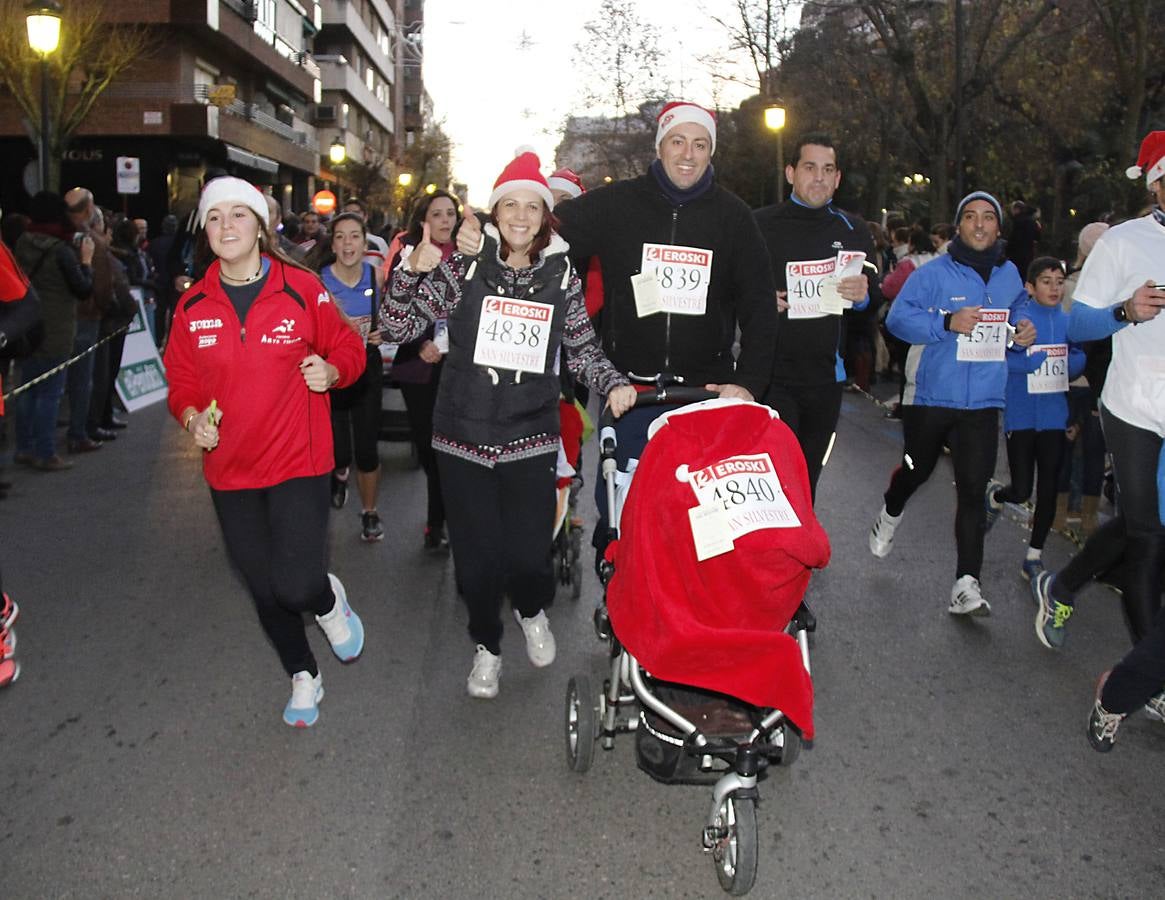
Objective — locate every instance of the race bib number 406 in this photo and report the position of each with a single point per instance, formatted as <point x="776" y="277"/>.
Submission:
<point x="683" y="274"/>
<point x="749" y="492"/>
<point x="513" y="334"/>
<point x="988" y="342"/>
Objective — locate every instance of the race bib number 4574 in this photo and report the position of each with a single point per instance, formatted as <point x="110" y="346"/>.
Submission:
<point x="748" y="490"/>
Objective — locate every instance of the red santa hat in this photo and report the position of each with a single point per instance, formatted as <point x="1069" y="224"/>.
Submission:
<point x="566" y="180"/>
<point x="680" y="112"/>
<point x="1151" y="160"/>
<point x="522" y="174"/>
<point x="233" y="190"/>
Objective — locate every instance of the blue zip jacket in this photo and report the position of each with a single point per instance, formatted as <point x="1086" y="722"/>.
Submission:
<point x="934" y="376"/>
<point x="1041" y="412"/>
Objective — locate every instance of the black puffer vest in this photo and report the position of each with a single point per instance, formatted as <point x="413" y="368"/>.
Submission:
<point x="490" y="407"/>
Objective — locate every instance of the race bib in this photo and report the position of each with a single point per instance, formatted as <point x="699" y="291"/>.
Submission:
<point x="988" y="342"/>
<point x="812" y="285"/>
<point x="683" y="274"/>
<point x="513" y="334"/>
<point x="748" y="490"/>
<point x="1052" y="376"/>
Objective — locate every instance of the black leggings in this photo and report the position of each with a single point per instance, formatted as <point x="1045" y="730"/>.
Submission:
<point x="501" y="522"/>
<point x="811" y="413"/>
<point x="1136" y="531"/>
<point x="974" y="442"/>
<point x="277" y="537"/>
<point x="419" y="402"/>
<point x="1034" y="456"/>
<point x="356" y="418"/>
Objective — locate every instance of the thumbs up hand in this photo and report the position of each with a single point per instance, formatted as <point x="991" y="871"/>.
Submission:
<point x="426" y="256"/>
<point x="469" y="237"/>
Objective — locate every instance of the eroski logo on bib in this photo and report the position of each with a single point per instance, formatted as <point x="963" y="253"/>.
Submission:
<point x="748" y="490"/>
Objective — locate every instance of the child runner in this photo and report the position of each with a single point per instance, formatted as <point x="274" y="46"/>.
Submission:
<point x="1036" y="415"/>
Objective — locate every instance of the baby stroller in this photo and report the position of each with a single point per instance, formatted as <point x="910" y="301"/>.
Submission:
<point x="566" y="550"/>
<point x="715" y="540"/>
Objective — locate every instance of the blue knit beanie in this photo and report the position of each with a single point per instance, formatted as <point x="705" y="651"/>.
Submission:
<point x="978" y="195"/>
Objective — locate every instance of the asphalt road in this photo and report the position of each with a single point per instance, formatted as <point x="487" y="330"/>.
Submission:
<point x="144" y="754"/>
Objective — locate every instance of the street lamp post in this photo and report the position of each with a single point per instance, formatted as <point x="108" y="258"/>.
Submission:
<point x="43" y="18"/>
<point x="775" y="121"/>
<point x="337" y="154"/>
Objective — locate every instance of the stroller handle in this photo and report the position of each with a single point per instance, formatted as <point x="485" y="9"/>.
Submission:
<point x="672" y="395"/>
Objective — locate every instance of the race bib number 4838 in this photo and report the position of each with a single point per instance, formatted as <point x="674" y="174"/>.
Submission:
<point x="683" y="274"/>
<point x="513" y="334"/>
<point x="749" y="491"/>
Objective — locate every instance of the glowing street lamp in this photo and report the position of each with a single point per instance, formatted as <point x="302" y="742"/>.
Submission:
<point x="775" y="121"/>
<point x="404" y="179"/>
<point x="430" y="188"/>
<point x="337" y="152"/>
<point x="43" y="18"/>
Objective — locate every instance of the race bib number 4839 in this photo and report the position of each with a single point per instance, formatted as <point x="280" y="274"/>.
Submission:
<point x="683" y="274"/>
<point x="749" y="491"/>
<point x="513" y="334"/>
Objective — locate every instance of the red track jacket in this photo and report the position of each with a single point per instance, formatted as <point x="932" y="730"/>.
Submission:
<point x="273" y="427"/>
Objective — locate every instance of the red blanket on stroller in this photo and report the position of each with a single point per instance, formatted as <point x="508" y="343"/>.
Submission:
<point x="718" y="624"/>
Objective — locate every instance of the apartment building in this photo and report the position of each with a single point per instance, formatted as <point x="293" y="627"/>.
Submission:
<point x="260" y="88"/>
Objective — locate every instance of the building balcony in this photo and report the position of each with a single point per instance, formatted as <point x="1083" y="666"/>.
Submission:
<point x="243" y="126"/>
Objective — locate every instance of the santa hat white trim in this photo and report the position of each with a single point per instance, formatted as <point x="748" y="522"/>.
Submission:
<point x="1150" y="159"/>
<point x="229" y="188"/>
<point x="521" y="184"/>
<point x="681" y="113"/>
<point x="564" y="184"/>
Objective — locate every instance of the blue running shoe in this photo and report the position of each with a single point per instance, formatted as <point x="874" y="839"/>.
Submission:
<point x="992" y="506"/>
<point x="344" y="630"/>
<point x="1031" y="569"/>
<point x="1051" y="614"/>
<point x="303" y="709"/>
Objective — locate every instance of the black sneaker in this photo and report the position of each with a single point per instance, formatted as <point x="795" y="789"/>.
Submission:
<point x="339" y="492"/>
<point x="435" y="540"/>
<point x="370" y="527"/>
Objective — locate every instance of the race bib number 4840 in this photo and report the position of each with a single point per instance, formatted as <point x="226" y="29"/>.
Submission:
<point x="513" y="334"/>
<point x="749" y="491"/>
<point x="683" y="274"/>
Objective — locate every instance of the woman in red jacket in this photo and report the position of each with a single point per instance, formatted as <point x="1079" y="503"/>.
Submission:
<point x="254" y="347"/>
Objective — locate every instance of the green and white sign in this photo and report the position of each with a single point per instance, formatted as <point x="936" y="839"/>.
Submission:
<point x="141" y="380"/>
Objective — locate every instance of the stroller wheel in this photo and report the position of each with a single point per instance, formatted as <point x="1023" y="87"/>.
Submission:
<point x="580" y="723"/>
<point x="735" y="853"/>
<point x="790" y="744"/>
<point x="576" y="566"/>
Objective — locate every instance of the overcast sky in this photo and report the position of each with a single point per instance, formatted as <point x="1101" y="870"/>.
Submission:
<point x="501" y="74"/>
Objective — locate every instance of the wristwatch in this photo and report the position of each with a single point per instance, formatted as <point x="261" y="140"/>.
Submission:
<point x="1120" y="313"/>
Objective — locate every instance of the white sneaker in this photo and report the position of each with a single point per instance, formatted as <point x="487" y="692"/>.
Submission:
<point x="343" y="628"/>
<point x="483" y="677"/>
<point x="540" y="646"/>
<point x="882" y="534"/>
<point x="302" y="709"/>
<point x="1156" y="707"/>
<point x="967" y="598"/>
